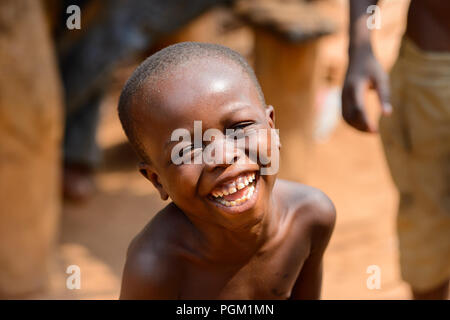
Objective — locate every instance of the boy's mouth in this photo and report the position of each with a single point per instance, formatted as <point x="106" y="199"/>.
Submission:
<point x="237" y="192"/>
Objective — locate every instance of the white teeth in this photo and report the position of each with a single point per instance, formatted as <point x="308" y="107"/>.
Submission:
<point x="234" y="187"/>
<point x="237" y="202"/>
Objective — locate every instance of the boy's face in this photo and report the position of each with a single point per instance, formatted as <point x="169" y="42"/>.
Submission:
<point x="220" y="95"/>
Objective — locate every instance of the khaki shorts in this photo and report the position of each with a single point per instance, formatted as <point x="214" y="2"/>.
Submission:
<point x="416" y="139"/>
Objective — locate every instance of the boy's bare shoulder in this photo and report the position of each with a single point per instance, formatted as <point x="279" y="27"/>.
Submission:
<point x="154" y="265"/>
<point x="309" y="207"/>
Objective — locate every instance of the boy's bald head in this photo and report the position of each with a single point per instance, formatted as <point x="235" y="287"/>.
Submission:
<point x="159" y="66"/>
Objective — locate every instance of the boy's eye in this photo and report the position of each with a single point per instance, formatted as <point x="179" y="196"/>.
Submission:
<point x="188" y="151"/>
<point x="241" y="125"/>
<point x="238" y="130"/>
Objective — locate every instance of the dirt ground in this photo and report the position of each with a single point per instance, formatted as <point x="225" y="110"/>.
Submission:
<point x="348" y="166"/>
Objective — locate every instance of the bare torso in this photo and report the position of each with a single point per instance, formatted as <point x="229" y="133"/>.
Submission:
<point x="288" y="265"/>
<point x="270" y="273"/>
<point x="429" y="24"/>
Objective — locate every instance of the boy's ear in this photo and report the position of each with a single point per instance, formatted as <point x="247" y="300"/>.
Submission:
<point x="147" y="171"/>
<point x="270" y="115"/>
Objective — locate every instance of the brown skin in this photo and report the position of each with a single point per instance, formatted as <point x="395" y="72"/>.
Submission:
<point x="193" y="249"/>
<point x="429" y="28"/>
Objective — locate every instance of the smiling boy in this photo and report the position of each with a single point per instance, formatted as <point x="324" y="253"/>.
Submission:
<point x="230" y="232"/>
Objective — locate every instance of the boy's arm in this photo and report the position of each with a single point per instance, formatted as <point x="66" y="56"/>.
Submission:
<point x="147" y="276"/>
<point x="309" y="282"/>
<point x="363" y="71"/>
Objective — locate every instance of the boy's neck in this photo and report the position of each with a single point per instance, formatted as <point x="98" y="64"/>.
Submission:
<point x="220" y="244"/>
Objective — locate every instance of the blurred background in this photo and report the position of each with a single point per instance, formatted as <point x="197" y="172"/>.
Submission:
<point x="71" y="193"/>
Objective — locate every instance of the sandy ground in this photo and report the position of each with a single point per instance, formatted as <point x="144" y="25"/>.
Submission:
<point x="348" y="166"/>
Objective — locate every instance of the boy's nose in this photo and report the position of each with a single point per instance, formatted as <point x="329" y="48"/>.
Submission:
<point x="222" y="152"/>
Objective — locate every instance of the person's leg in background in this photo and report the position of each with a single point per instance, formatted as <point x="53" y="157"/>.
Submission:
<point x="81" y="151"/>
<point x="30" y="133"/>
<point x="415" y="139"/>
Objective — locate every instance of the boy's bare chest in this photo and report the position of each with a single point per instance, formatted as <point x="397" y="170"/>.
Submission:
<point x="267" y="275"/>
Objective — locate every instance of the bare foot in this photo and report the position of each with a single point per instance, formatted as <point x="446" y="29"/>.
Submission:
<point x="78" y="183"/>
